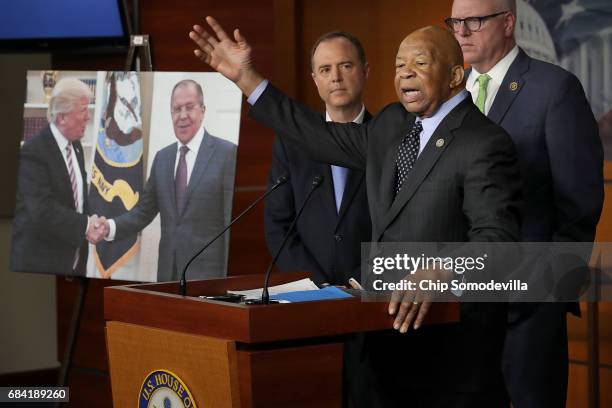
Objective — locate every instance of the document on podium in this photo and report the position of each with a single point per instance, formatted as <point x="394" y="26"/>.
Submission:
<point x="303" y="290"/>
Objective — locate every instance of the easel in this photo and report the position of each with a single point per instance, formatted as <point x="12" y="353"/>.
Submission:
<point x="138" y="44"/>
<point x="75" y="323"/>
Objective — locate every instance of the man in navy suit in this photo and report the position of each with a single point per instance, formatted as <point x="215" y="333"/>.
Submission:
<point x="51" y="222"/>
<point x="191" y="188"/>
<point x="333" y="224"/>
<point x="545" y="111"/>
<point x="328" y="235"/>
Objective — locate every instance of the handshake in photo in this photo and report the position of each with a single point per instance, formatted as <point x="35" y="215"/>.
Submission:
<point x="98" y="229"/>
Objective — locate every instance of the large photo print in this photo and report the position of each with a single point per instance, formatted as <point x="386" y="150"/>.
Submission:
<point x="125" y="175"/>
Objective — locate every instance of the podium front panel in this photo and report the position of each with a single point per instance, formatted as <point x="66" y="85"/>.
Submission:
<point x="148" y="363"/>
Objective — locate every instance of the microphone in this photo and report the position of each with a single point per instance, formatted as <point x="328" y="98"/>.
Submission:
<point x="183" y="283"/>
<point x="265" y="296"/>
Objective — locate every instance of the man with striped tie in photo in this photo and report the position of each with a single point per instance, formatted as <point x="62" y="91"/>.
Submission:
<point x="51" y="225"/>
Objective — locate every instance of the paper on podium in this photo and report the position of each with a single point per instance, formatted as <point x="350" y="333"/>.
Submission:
<point x="299" y="285"/>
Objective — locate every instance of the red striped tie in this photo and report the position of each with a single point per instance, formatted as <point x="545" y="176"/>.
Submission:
<point x="75" y="190"/>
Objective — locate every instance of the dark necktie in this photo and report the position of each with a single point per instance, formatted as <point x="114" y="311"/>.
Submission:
<point x="180" y="180"/>
<point x="407" y="155"/>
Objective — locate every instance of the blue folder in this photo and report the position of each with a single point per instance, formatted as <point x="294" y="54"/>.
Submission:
<point x="327" y="293"/>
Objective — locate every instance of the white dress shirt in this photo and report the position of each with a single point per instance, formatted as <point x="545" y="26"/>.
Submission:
<point x="497" y="74"/>
<point x="192" y="153"/>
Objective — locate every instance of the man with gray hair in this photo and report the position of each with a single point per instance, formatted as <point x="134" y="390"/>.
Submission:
<point x="545" y="111"/>
<point x="190" y="186"/>
<point x="51" y="223"/>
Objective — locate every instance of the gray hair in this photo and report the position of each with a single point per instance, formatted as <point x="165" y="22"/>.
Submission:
<point x="190" y="82"/>
<point x="65" y="95"/>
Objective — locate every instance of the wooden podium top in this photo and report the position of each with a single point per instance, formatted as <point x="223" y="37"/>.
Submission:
<point x="159" y="305"/>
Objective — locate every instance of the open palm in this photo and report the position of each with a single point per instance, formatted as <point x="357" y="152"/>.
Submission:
<point x="230" y="57"/>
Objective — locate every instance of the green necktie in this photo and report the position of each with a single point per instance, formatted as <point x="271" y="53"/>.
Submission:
<point x="483" y="81"/>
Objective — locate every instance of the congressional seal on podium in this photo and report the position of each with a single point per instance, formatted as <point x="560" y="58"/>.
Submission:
<point x="162" y="388"/>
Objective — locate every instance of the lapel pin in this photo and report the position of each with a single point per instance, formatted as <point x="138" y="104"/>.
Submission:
<point x="439" y="142"/>
<point x="513" y="86"/>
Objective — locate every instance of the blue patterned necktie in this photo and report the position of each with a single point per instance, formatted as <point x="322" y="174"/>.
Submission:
<point x="407" y="155"/>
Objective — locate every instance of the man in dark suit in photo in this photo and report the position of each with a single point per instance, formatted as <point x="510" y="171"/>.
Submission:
<point x="545" y="111"/>
<point x="51" y="222"/>
<point x="328" y="235"/>
<point x="437" y="170"/>
<point x="191" y="187"/>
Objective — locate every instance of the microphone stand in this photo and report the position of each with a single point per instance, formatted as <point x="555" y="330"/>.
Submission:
<point x="183" y="282"/>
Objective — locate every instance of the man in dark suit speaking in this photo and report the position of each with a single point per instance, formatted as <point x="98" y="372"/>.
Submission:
<point x="437" y="170"/>
<point x="545" y="111"/>
<point x="51" y="222"/>
<point x="191" y="187"/>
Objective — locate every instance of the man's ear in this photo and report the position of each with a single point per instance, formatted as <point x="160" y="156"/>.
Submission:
<point x="509" y="24"/>
<point x="366" y="70"/>
<point x="457" y="74"/>
<point x="314" y="79"/>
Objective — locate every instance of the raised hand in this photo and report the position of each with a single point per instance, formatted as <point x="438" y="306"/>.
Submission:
<point x="230" y="57"/>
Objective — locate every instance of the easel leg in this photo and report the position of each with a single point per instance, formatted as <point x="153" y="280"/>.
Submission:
<point x="75" y="323"/>
<point x="593" y="353"/>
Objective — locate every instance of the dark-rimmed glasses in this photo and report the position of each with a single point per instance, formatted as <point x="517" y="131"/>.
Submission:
<point x="471" y="23"/>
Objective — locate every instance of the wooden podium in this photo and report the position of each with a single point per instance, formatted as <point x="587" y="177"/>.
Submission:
<point x="234" y="355"/>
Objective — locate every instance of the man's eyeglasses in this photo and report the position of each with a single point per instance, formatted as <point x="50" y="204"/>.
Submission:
<point x="471" y="23"/>
<point x="187" y="108"/>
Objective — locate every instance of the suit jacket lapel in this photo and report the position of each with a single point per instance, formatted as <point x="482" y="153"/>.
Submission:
<point x="354" y="179"/>
<point x="329" y="195"/>
<point x="426" y="160"/>
<point x="207" y="148"/>
<point x="78" y="150"/>
<point x="389" y="169"/>
<point x="60" y="164"/>
<point x="511" y="86"/>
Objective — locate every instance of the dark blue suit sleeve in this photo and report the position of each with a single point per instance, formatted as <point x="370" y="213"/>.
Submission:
<point x="280" y="210"/>
<point x="342" y="144"/>
<point x="144" y="212"/>
<point x="576" y="163"/>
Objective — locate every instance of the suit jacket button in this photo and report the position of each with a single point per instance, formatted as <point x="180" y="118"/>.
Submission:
<point x="338" y="237"/>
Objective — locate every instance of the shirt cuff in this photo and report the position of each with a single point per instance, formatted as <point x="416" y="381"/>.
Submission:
<point x="252" y="99"/>
<point x="112" y="229"/>
<point x="87" y="227"/>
